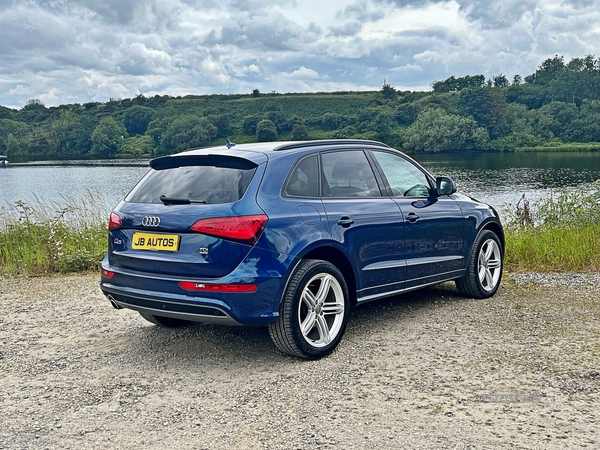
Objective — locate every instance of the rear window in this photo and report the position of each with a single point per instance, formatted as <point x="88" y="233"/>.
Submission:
<point x="198" y="183"/>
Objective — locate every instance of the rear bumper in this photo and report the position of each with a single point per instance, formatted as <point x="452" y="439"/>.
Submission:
<point x="142" y="302"/>
<point x="162" y="295"/>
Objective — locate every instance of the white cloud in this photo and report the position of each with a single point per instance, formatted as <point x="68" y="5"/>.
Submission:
<point x="408" y="68"/>
<point x="64" y="51"/>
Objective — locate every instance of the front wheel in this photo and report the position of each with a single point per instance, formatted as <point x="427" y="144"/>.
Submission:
<point x="484" y="267"/>
<point x="313" y="312"/>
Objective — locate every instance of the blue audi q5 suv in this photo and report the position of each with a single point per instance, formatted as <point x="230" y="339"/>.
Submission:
<point x="292" y="235"/>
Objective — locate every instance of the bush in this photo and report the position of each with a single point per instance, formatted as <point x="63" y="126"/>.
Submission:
<point x="266" y="131"/>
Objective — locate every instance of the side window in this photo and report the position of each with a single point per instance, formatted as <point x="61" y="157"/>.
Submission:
<point x="304" y="179"/>
<point x="348" y="174"/>
<point x="404" y="178"/>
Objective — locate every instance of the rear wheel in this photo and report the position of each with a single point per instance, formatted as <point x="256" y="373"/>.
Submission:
<point x="167" y="322"/>
<point x="313" y="312"/>
<point x="484" y="267"/>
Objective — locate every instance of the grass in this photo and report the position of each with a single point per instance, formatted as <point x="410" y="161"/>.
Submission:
<point x="56" y="237"/>
<point x="552" y="249"/>
<point x="562" y="147"/>
<point x="561" y="233"/>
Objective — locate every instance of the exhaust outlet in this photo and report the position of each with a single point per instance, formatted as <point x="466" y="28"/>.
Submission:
<point x="113" y="303"/>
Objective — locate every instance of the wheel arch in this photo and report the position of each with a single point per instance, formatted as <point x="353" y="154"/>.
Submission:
<point x="336" y="257"/>
<point x="496" y="228"/>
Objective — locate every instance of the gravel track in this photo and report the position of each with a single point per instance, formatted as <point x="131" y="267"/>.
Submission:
<point x="429" y="369"/>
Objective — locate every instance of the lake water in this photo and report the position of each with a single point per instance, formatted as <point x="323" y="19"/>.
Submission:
<point x="497" y="178"/>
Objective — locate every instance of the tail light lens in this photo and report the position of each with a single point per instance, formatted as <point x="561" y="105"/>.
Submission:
<point x="213" y="287"/>
<point x="245" y="229"/>
<point x="106" y="274"/>
<point x="114" y="221"/>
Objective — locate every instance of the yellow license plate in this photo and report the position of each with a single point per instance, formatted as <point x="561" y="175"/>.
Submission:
<point x="159" y="242"/>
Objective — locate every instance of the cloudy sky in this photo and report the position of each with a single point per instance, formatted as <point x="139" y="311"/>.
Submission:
<point x="76" y="51"/>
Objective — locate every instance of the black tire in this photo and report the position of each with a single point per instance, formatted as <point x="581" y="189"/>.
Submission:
<point x="162" y="321"/>
<point x="325" y="321"/>
<point x="484" y="267"/>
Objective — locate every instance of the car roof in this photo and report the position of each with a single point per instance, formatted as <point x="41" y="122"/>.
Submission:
<point x="258" y="152"/>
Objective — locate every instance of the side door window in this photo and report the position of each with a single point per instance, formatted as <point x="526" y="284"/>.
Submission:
<point x="348" y="174"/>
<point x="404" y="178"/>
<point x="303" y="180"/>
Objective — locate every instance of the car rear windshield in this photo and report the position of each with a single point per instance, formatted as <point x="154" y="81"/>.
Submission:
<point x="211" y="184"/>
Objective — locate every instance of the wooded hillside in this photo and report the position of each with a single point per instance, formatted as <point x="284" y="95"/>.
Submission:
<point x="557" y="107"/>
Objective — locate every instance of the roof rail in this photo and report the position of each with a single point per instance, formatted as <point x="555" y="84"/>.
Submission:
<point x="302" y="144"/>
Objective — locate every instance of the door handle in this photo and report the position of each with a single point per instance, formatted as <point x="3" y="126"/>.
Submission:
<point x="412" y="217"/>
<point x="345" y="222"/>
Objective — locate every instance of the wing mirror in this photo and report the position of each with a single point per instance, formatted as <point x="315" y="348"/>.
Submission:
<point x="444" y="186"/>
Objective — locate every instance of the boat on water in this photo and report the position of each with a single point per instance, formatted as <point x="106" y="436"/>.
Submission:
<point x="3" y="161"/>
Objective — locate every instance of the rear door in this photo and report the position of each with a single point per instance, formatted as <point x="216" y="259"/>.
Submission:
<point x="368" y="224"/>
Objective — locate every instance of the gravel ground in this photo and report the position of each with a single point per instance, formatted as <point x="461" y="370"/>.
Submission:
<point x="426" y="370"/>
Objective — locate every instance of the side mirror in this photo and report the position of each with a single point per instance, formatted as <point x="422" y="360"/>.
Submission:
<point x="444" y="186"/>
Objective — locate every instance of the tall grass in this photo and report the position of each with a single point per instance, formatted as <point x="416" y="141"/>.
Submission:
<point x="64" y="236"/>
<point x="560" y="233"/>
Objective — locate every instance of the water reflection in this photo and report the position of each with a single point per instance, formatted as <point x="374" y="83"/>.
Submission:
<point x="52" y="181"/>
<point x="497" y="178"/>
<point x="501" y="179"/>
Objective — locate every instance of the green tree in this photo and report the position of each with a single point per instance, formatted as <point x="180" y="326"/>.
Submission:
<point x="137" y="118"/>
<point x="107" y="137"/>
<point x="222" y="123"/>
<point x="487" y="106"/>
<point x="561" y="117"/>
<point x="157" y="128"/>
<point x="331" y="121"/>
<point x="454" y="84"/>
<point x="501" y="81"/>
<point x="274" y="113"/>
<point x="15" y="131"/>
<point x="586" y="128"/>
<point x="16" y="147"/>
<point x="299" y="132"/>
<point x="383" y="125"/>
<point x="266" y="131"/>
<point x="42" y="142"/>
<point x="73" y="135"/>
<point x="186" y="132"/>
<point x="406" y="113"/>
<point x="387" y="91"/>
<point x="436" y="131"/>
<point x="34" y="112"/>
<point x="255" y="93"/>
<point x="548" y="70"/>
<point x="249" y="124"/>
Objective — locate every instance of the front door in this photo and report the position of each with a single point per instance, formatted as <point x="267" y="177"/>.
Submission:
<point x="433" y="226"/>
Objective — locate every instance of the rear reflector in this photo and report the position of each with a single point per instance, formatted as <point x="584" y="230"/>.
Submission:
<point x="211" y="287"/>
<point x="246" y="229"/>
<point x="114" y="221"/>
<point x="106" y="274"/>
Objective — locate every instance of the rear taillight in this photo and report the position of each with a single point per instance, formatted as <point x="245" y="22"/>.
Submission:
<point x="246" y="229"/>
<point x="214" y="287"/>
<point x="114" y="221"/>
<point x="106" y="274"/>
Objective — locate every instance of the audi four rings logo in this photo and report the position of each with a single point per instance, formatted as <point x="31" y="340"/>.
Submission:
<point x="151" y="221"/>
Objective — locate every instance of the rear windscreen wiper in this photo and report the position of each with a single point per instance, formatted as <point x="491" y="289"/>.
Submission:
<point x="178" y="201"/>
